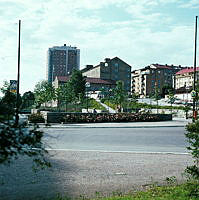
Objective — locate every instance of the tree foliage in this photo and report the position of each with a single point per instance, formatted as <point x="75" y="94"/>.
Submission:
<point x="166" y="89"/>
<point x="44" y="92"/>
<point x="192" y="136"/>
<point x="21" y="140"/>
<point x="28" y="99"/>
<point x="18" y="139"/>
<point x="8" y="101"/>
<point x="77" y="83"/>
<point x="119" y="94"/>
<point x="64" y="94"/>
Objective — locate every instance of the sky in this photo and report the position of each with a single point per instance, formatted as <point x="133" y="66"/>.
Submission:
<point x="140" y="32"/>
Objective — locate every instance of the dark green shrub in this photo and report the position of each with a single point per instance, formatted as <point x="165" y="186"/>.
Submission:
<point x="103" y="100"/>
<point x="193" y="189"/>
<point x="36" y="118"/>
<point x="192" y="136"/>
<point x="16" y="140"/>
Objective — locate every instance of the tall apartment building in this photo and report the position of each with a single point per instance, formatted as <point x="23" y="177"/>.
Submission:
<point x="61" y="60"/>
<point x="145" y="81"/>
<point x="113" y="69"/>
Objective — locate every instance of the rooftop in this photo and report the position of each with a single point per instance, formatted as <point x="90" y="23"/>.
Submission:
<point x="187" y="70"/>
<point x="88" y="79"/>
<point x="100" y="81"/>
<point x="91" y="67"/>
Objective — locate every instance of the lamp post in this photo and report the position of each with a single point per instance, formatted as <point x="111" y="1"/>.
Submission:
<point x="110" y="90"/>
<point x="18" y="77"/>
<point x="194" y="76"/>
<point x="87" y="86"/>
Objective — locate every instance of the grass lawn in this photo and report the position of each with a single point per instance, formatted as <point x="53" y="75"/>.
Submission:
<point x="186" y="191"/>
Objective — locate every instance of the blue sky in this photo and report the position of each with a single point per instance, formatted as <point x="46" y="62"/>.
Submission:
<point x="140" y="32"/>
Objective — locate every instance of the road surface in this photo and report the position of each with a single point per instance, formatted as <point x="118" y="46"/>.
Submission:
<point x="101" y="160"/>
<point x="153" y="139"/>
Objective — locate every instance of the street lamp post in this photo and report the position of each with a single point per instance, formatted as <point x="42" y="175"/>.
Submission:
<point x="18" y="77"/>
<point x="87" y="86"/>
<point x="194" y="76"/>
<point x="109" y="93"/>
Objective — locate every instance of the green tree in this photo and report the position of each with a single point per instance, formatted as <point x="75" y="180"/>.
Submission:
<point x="156" y="96"/>
<point x="44" y="92"/>
<point x="166" y="89"/>
<point x="18" y="139"/>
<point x="134" y="98"/>
<point x="77" y="83"/>
<point x="8" y="104"/>
<point x="64" y="94"/>
<point x="8" y="101"/>
<point x="28" y="100"/>
<point x="172" y="98"/>
<point x="21" y="140"/>
<point x="192" y="136"/>
<point x="120" y="95"/>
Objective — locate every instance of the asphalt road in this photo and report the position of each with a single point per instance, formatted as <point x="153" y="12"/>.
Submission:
<point x="75" y="173"/>
<point x="151" y="139"/>
<point x="102" y="160"/>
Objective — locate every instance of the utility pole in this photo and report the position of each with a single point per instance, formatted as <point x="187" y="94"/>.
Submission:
<point x="194" y="75"/>
<point x="18" y="77"/>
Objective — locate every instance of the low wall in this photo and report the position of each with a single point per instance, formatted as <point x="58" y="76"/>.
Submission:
<point x="58" y="117"/>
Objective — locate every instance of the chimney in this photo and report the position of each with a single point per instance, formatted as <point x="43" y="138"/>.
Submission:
<point x="89" y="66"/>
<point x="101" y="64"/>
<point x="107" y="60"/>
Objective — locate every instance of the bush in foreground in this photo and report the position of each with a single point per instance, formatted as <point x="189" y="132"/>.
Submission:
<point x="192" y="136"/>
<point x="16" y="140"/>
<point x="36" y="118"/>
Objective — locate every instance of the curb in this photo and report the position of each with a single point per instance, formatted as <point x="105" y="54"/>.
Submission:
<point x="161" y="126"/>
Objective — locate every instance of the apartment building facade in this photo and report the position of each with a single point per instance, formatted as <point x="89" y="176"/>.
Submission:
<point x="151" y="79"/>
<point x="185" y="78"/>
<point x="113" y="69"/>
<point x="61" y="60"/>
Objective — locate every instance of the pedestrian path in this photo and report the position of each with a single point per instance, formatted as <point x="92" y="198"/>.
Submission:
<point x="110" y="110"/>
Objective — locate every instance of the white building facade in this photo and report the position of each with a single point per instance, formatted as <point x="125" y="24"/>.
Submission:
<point x="185" y="78"/>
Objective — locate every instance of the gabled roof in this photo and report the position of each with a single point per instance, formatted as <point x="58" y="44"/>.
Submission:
<point x="88" y="79"/>
<point x="63" y="78"/>
<point x="159" y="66"/>
<point x="115" y="58"/>
<point x="100" y="81"/>
<point x="187" y="70"/>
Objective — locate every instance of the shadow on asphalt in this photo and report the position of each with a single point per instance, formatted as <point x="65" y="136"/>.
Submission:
<point x="18" y="181"/>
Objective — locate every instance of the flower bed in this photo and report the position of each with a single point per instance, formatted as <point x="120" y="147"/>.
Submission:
<point x="36" y="118"/>
<point x="116" y="117"/>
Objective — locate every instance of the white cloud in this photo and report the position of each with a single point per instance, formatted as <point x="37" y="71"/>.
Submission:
<point x="190" y="4"/>
<point x="137" y="40"/>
